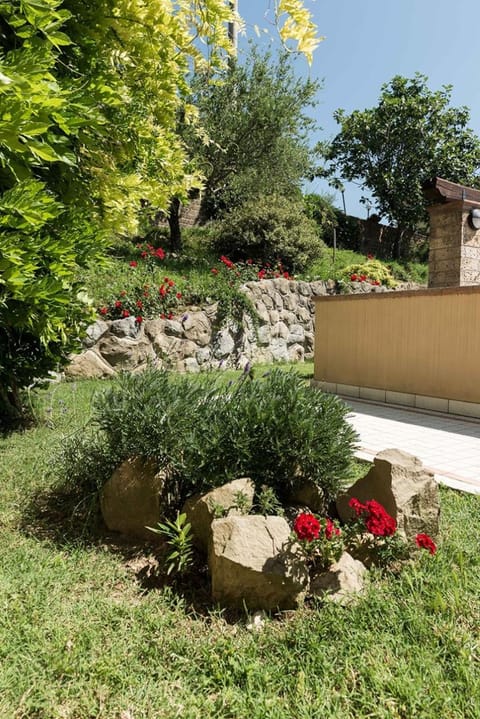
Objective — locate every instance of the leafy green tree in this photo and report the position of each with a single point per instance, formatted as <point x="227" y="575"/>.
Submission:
<point x="411" y="136"/>
<point x="87" y="138"/>
<point x="256" y="131"/>
<point x="41" y="307"/>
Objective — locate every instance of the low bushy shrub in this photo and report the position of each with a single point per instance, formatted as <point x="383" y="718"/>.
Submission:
<point x="267" y="228"/>
<point x="203" y="432"/>
<point x="371" y="270"/>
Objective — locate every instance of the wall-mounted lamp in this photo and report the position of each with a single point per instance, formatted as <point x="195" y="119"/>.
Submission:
<point x="474" y="218"/>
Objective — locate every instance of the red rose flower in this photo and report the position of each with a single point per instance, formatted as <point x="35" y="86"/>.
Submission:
<point x="379" y="522"/>
<point x="170" y="316"/>
<point x="423" y="541"/>
<point x="228" y="263"/>
<point x="376" y="518"/>
<point x="103" y="310"/>
<point x="133" y="263"/>
<point x="353" y="278"/>
<point x="160" y="253"/>
<point x="143" y="254"/>
<point x="214" y="271"/>
<point x="357" y="506"/>
<point x="118" y="304"/>
<point x="249" y="262"/>
<point x="125" y="313"/>
<point x="139" y="304"/>
<point x="331" y="529"/>
<point x="306" y="526"/>
<point x="139" y="319"/>
<point x="370" y="256"/>
<point x="162" y="291"/>
<point x="261" y="274"/>
<point x="179" y="295"/>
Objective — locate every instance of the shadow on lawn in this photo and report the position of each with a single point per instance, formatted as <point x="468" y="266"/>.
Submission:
<point x="67" y="520"/>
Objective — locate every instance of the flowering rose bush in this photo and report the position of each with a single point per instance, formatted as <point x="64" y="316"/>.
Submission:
<point x="251" y="270"/>
<point x="377" y="520"/>
<point x="146" y="296"/>
<point x="375" y="532"/>
<point x="150" y="301"/>
<point x="320" y="540"/>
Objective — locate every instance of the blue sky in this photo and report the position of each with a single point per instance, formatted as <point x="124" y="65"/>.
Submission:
<point x="367" y="43"/>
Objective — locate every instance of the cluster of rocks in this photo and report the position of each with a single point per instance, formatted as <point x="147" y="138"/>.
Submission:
<point x="193" y="341"/>
<point x="252" y="560"/>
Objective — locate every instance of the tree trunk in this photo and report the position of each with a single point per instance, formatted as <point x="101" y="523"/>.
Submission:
<point x="174" y="224"/>
<point x="11" y="411"/>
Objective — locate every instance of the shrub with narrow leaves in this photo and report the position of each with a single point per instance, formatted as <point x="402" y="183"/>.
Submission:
<point x="204" y="433"/>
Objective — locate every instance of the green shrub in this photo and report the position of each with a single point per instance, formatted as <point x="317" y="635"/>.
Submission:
<point x="275" y="429"/>
<point x="373" y="271"/>
<point x="269" y="228"/>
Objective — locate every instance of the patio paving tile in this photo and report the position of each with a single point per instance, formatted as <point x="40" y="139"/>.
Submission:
<point x="447" y="445"/>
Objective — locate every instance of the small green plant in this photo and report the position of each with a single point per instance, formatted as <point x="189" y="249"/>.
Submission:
<point x="178" y="534"/>
<point x="218" y="510"/>
<point x="268" y="503"/>
<point x="241" y="502"/>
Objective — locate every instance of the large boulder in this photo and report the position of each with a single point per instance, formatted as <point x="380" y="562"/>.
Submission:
<point x="131" y="500"/>
<point x="342" y="582"/>
<point x="88" y="364"/>
<point x="407" y="490"/>
<point x="201" y="510"/>
<point x="125" y="352"/>
<point x="252" y="564"/>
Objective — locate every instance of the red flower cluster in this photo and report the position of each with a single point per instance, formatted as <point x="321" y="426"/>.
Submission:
<point x="331" y="530"/>
<point x="423" y="541"/>
<point x="228" y="263"/>
<point x="364" y="278"/>
<point x="307" y="527"/>
<point x="249" y="270"/>
<point x="147" y="251"/>
<point x="377" y="520"/>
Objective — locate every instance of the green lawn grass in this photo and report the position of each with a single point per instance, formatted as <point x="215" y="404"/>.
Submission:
<point x="86" y="633"/>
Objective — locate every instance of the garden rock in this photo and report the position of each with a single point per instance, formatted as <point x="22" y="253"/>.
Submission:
<point x="124" y="351"/>
<point x="279" y="349"/>
<point x="126" y="327"/>
<point x="88" y="364"/>
<point x="224" y="344"/>
<point x="308" y="495"/>
<point x="197" y="328"/>
<point x="201" y="510"/>
<point x="408" y="491"/>
<point x="94" y="332"/>
<point x="251" y="565"/>
<point x="131" y="500"/>
<point x="342" y="582"/>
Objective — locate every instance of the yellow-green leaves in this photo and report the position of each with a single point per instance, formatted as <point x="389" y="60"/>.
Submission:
<point x="298" y="26"/>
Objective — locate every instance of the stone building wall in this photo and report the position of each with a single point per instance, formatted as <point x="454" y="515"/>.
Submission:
<point x="454" y="259"/>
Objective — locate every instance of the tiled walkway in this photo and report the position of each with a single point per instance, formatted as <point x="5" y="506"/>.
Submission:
<point x="449" y="446"/>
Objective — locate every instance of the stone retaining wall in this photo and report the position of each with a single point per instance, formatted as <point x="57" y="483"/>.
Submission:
<point x="193" y="341"/>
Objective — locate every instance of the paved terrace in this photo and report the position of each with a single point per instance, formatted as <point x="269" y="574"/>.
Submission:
<point x="448" y="446"/>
